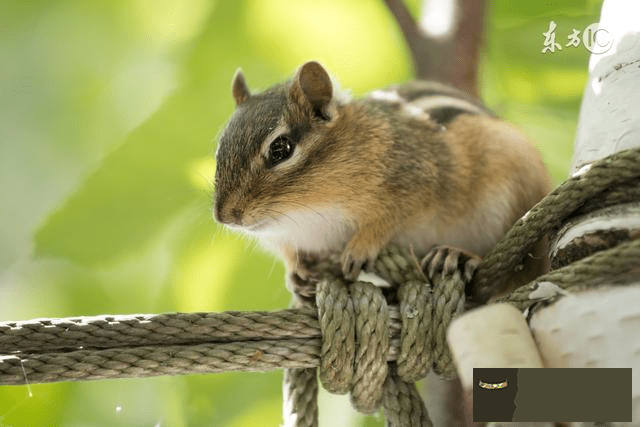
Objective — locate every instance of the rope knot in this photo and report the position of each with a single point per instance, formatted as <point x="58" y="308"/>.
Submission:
<point x="354" y="321"/>
<point x="359" y="320"/>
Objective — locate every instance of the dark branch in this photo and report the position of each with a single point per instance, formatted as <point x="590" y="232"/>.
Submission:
<point x="431" y="57"/>
<point x="467" y="45"/>
<point x="452" y="60"/>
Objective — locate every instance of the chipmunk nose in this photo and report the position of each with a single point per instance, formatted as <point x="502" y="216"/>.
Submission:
<point x="236" y="216"/>
<point x="226" y="215"/>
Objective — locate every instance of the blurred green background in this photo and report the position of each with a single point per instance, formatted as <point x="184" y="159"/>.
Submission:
<point x="109" y="113"/>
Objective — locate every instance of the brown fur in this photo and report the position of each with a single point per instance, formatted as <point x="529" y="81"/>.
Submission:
<point x="377" y="171"/>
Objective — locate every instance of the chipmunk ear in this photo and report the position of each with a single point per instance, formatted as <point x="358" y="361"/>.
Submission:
<point x="313" y="84"/>
<point x="239" y="88"/>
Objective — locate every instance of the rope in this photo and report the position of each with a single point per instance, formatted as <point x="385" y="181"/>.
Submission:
<point x="372" y="335"/>
<point x="47" y="335"/>
<point x="403" y="405"/>
<point x="146" y="361"/>
<point x="353" y="319"/>
<point x="335" y="311"/>
<point x="300" y="386"/>
<point x="615" y="266"/>
<point x="143" y="345"/>
<point x="300" y="398"/>
<point x="618" y="169"/>
<point x="448" y="300"/>
<point x="414" y="359"/>
<point x="345" y="333"/>
<point x="356" y="346"/>
<point x="426" y="312"/>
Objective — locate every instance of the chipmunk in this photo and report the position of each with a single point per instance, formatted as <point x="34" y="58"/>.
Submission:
<point x="307" y="169"/>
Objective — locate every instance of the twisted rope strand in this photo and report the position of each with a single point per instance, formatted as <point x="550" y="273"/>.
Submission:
<point x="300" y="386"/>
<point x="335" y="311"/>
<point x="615" y="266"/>
<point x="371" y="317"/>
<point x="47" y="335"/>
<point x="496" y="267"/>
<point x="416" y="339"/>
<point x="300" y="398"/>
<point x="403" y="406"/>
<point x="145" y="361"/>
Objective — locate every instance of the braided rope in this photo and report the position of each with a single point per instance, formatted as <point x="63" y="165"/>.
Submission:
<point x="300" y="398"/>
<point x="416" y="309"/>
<point x="372" y="334"/>
<point x="300" y="386"/>
<point x="615" y="266"/>
<point x="422" y="342"/>
<point x="335" y="311"/>
<point x="47" y="335"/>
<point x="255" y="341"/>
<point x="403" y="405"/>
<point x="348" y="332"/>
<point x="145" y="361"/>
<point x="609" y="172"/>
<point x="398" y="265"/>
<point x="448" y="300"/>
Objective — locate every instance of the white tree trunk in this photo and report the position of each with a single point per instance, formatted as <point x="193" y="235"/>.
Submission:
<point x="601" y="328"/>
<point x="610" y="113"/>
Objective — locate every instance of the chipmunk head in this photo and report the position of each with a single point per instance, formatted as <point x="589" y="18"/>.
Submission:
<point x="269" y="153"/>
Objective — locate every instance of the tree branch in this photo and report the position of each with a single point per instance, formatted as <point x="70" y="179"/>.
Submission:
<point x="467" y="44"/>
<point x="450" y="59"/>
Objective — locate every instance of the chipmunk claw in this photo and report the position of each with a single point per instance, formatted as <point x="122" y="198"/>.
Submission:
<point x="301" y="282"/>
<point x="352" y="266"/>
<point x="446" y="260"/>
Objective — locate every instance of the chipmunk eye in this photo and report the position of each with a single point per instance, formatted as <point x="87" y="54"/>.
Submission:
<point x="279" y="150"/>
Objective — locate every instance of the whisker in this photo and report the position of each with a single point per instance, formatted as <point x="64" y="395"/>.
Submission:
<point x="305" y="206"/>
<point x="274" y="261"/>
<point x="284" y="215"/>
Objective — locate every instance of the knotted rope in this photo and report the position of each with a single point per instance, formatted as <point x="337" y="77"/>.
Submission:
<point x="372" y="342"/>
<point x="612" y="180"/>
<point x="353" y="318"/>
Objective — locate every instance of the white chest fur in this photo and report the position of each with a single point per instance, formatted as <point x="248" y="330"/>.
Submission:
<point x="329" y="229"/>
<point x="307" y="230"/>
